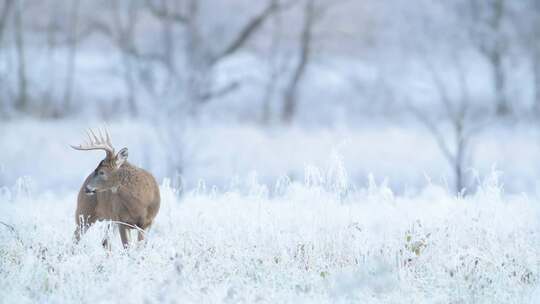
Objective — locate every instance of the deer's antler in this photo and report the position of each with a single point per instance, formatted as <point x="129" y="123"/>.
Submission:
<point x="97" y="142"/>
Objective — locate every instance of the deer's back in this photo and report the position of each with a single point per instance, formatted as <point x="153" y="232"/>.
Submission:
<point x="140" y="183"/>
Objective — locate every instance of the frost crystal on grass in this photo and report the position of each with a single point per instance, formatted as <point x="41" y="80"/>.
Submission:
<point x="301" y="243"/>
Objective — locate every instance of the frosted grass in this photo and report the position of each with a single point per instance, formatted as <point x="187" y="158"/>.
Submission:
<point x="320" y="241"/>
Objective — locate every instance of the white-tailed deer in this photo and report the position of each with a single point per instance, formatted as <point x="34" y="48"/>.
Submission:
<point x="117" y="191"/>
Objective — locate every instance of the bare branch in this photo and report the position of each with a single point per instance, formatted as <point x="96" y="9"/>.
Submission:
<point x="164" y="12"/>
<point x="465" y="98"/>
<point x="437" y="134"/>
<point x="477" y="128"/>
<point x="439" y="84"/>
<point x="220" y="92"/>
<point x="306" y="37"/>
<point x="4" y="16"/>
<point x="95" y="27"/>
<point x="248" y="30"/>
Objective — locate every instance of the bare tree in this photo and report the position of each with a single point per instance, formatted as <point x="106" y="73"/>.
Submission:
<point x="277" y="68"/>
<point x="210" y="59"/>
<point x="4" y="14"/>
<point x="525" y="15"/>
<point x="487" y="33"/>
<point x="312" y="13"/>
<point x="53" y="32"/>
<point x="121" y="30"/>
<point x="201" y="57"/>
<point x="171" y="14"/>
<point x="535" y="52"/>
<point x="533" y="38"/>
<point x="125" y="39"/>
<point x="22" y="98"/>
<point x="290" y="98"/>
<point x="71" y="59"/>
<point x="6" y="9"/>
<point x="458" y="114"/>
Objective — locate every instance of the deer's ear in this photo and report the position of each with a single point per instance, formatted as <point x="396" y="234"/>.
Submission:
<point x="121" y="157"/>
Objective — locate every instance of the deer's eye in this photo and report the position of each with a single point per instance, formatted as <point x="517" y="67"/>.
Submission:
<point x="101" y="173"/>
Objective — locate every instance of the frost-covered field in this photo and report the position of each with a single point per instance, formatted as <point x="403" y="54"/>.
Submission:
<point x="283" y="215"/>
<point x="311" y="241"/>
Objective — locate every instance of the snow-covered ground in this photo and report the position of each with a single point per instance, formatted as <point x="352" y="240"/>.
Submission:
<point x="311" y="241"/>
<point x="276" y="215"/>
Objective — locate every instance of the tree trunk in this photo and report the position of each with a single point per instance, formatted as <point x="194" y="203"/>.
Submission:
<point x="22" y="98"/>
<point x="496" y="55"/>
<point x="458" y="170"/>
<point x="459" y="160"/>
<point x="72" y="56"/>
<point x="4" y="16"/>
<point x="502" y="107"/>
<point x="3" y="20"/>
<point x="195" y="54"/>
<point x="130" y="85"/>
<point x="291" y="91"/>
<point x="274" y="62"/>
<point x="169" y="43"/>
<point x="536" y="79"/>
<point x="267" y="99"/>
<point x="459" y="178"/>
<point x="126" y="45"/>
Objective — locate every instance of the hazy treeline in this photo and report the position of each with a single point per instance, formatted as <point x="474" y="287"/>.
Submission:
<point x="184" y="55"/>
<point x="161" y="52"/>
<point x="456" y="66"/>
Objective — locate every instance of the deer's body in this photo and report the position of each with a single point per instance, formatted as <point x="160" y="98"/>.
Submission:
<point x="119" y="192"/>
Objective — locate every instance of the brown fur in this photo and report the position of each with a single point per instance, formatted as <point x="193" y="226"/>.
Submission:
<point x="130" y="195"/>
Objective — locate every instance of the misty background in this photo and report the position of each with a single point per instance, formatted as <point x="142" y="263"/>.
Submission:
<point x="240" y="92"/>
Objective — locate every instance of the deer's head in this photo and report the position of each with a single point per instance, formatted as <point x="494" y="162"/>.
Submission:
<point x="106" y="175"/>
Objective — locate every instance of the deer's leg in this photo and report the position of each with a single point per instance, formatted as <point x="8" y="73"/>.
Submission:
<point x="124" y="235"/>
<point x="140" y="236"/>
<point x="77" y="234"/>
<point x="129" y="235"/>
<point x="141" y="232"/>
<point x="106" y="242"/>
<point x="82" y="225"/>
